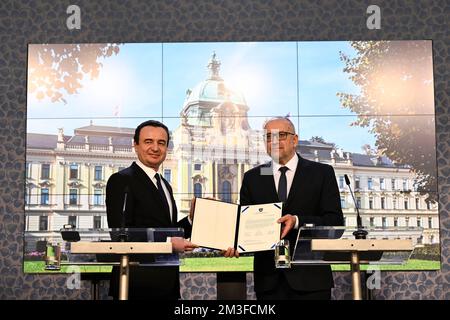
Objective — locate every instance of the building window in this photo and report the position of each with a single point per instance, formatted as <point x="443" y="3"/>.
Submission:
<point x="73" y="196"/>
<point x="370" y="203"/>
<point x="45" y="171"/>
<point x="417" y="203"/>
<point x="430" y="222"/>
<point x="406" y="204"/>
<point x="225" y="170"/>
<point x="370" y="184"/>
<point x="197" y="167"/>
<point x="28" y="170"/>
<point x="383" y="222"/>
<point x="372" y="221"/>
<point x="382" y="185"/>
<point x="394" y="203"/>
<point x="428" y="205"/>
<point x="383" y="203"/>
<point x="341" y="182"/>
<point x="415" y="185"/>
<point x="44" y="196"/>
<point x="343" y="203"/>
<point x="345" y="221"/>
<point x="27" y="195"/>
<point x="168" y="175"/>
<point x="396" y="222"/>
<point x="97" y="222"/>
<point x="405" y="184"/>
<point x="407" y="221"/>
<point x="198" y="190"/>
<point x="98" y="197"/>
<point x="393" y="184"/>
<point x="73" y="171"/>
<point x="72" y="221"/>
<point x="357" y="183"/>
<point x="431" y="239"/>
<point x="358" y="202"/>
<point x="98" y="173"/>
<point x="420" y="240"/>
<point x="226" y="191"/>
<point x="43" y="223"/>
<point x="419" y="222"/>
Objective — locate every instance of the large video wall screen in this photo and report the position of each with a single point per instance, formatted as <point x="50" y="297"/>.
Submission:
<point x="366" y="108"/>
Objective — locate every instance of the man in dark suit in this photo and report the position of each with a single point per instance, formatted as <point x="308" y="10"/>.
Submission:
<point x="310" y="194"/>
<point x="150" y="204"/>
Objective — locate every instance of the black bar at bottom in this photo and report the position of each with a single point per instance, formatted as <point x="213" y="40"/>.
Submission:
<point x="231" y="286"/>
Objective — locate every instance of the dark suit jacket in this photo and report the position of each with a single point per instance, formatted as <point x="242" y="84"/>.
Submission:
<point x="313" y="198"/>
<point x="144" y="210"/>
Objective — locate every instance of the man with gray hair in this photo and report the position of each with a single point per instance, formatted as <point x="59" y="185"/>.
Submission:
<point x="310" y="194"/>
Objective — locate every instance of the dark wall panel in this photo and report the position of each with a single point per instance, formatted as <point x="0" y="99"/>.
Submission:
<point x="24" y="22"/>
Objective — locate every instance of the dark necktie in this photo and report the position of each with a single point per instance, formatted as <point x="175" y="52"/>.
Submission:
<point x="282" y="185"/>
<point x="162" y="193"/>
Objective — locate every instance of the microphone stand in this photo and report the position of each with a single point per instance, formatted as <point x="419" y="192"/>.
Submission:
<point x="123" y="237"/>
<point x="124" y="259"/>
<point x="360" y="233"/>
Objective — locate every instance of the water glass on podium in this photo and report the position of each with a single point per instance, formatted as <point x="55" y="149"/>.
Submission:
<point x="53" y="256"/>
<point x="282" y="256"/>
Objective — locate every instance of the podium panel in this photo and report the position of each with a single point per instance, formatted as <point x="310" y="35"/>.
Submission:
<point x="97" y="250"/>
<point x="333" y="245"/>
<point x="337" y="245"/>
<point x="147" y="247"/>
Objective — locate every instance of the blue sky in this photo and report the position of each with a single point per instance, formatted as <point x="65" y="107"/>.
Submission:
<point x="150" y="81"/>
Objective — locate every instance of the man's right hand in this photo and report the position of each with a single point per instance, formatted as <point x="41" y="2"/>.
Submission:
<point x="182" y="245"/>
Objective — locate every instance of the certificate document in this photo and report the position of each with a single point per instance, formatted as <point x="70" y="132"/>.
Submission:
<point x="222" y="225"/>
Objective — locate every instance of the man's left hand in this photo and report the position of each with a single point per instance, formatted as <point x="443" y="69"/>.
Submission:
<point x="288" y="222"/>
<point x="230" y="252"/>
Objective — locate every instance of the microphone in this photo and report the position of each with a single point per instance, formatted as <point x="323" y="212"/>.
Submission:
<point x="123" y="235"/>
<point x="360" y="233"/>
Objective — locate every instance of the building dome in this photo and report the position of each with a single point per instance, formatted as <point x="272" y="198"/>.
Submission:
<point x="210" y="93"/>
<point x="213" y="90"/>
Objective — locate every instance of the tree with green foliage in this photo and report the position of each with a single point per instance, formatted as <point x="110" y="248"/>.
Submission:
<point x="58" y="69"/>
<point x="396" y="102"/>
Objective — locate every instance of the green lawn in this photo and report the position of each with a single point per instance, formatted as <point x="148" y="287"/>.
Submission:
<point x="217" y="264"/>
<point x="188" y="265"/>
<point x="412" y="264"/>
<point x="244" y="264"/>
<point x="39" y="267"/>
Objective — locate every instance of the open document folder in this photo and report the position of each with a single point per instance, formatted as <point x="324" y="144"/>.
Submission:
<point x="221" y="225"/>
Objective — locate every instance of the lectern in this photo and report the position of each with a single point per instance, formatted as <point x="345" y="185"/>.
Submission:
<point x="336" y="245"/>
<point x="90" y="248"/>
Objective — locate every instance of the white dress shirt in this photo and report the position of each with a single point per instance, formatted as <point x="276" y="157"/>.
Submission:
<point x="292" y="166"/>
<point x="151" y="174"/>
